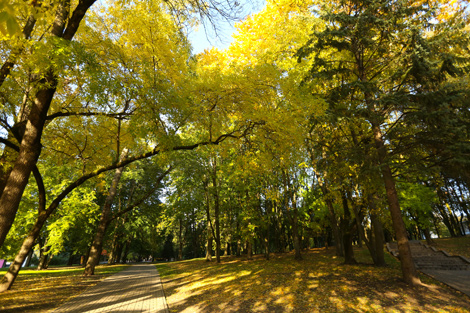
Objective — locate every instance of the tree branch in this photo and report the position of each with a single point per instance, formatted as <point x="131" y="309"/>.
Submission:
<point x="148" y="194"/>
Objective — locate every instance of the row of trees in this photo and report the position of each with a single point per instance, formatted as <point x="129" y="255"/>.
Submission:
<point x="346" y="121"/>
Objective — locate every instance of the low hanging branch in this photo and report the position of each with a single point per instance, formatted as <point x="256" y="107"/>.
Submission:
<point x="9" y="278"/>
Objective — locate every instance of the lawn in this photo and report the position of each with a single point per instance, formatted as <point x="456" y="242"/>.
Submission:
<point x="41" y="291"/>
<point x="318" y="283"/>
<point x="455" y="246"/>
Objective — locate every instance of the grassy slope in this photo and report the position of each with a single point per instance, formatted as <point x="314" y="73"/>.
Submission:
<point x="41" y="291"/>
<point x="455" y="246"/>
<point x="318" y="283"/>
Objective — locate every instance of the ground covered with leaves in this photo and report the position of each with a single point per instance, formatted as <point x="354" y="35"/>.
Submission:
<point x="318" y="283"/>
<point x="41" y="291"/>
<point x="455" y="246"/>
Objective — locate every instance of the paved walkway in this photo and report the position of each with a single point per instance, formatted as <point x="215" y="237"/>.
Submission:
<point x="453" y="271"/>
<point x="459" y="280"/>
<point x="136" y="289"/>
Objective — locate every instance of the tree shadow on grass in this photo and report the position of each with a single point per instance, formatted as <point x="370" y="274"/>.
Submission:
<point x="318" y="283"/>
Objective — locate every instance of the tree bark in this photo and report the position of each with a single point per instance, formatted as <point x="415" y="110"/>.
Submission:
<point x="209" y="225"/>
<point x="249" y="249"/>
<point x="30" y="147"/>
<point x="29" y="258"/>
<point x="216" y="210"/>
<point x="28" y="243"/>
<point x="378" y="231"/>
<point x="410" y="275"/>
<point x="180" y="240"/>
<point x="291" y="193"/>
<point x="347" y="225"/>
<point x="97" y="245"/>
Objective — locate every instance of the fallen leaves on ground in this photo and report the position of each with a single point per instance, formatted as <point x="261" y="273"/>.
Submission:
<point x="41" y="291"/>
<point x="454" y="246"/>
<point x="318" y="283"/>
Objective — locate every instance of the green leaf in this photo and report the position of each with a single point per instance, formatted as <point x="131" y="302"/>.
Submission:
<point x="12" y="26"/>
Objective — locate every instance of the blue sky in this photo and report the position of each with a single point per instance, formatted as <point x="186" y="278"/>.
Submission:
<point x="202" y="39"/>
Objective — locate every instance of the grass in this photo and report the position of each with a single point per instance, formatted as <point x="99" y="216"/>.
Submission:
<point x="318" y="283"/>
<point x="41" y="291"/>
<point x="455" y="246"/>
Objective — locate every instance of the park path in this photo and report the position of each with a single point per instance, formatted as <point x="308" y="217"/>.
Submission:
<point x="453" y="271"/>
<point x="135" y="289"/>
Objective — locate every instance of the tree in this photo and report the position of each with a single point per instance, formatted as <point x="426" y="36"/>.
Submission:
<point x="370" y="55"/>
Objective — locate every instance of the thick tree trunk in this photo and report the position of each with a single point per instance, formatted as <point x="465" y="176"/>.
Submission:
<point x="30" y="147"/>
<point x="97" y="245"/>
<point x="249" y="249"/>
<point x="409" y="272"/>
<point x="378" y="232"/>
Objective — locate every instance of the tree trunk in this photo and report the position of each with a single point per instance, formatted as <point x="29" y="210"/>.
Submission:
<point x="71" y="257"/>
<point x="333" y="219"/>
<point x="295" y="227"/>
<point x="410" y="275"/>
<point x="216" y="211"/>
<point x="28" y="243"/>
<point x="97" y="245"/>
<point x="126" y="251"/>
<point x="378" y="239"/>
<point x="43" y="256"/>
<point x="291" y="193"/>
<point x="249" y="249"/>
<point x="112" y="255"/>
<point x="180" y="240"/>
<point x="348" y="225"/>
<point x="30" y="147"/>
<point x="30" y="257"/>
<point x="49" y="259"/>
<point x="209" y="225"/>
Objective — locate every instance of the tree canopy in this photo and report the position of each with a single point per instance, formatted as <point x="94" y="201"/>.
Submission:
<point x="323" y="123"/>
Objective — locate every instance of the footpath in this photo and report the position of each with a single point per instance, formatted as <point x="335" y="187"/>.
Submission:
<point x="138" y="288"/>
<point x="453" y="271"/>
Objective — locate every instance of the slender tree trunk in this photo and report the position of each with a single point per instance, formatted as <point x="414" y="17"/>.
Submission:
<point x="126" y="250"/>
<point x="209" y="225"/>
<point x="28" y="243"/>
<point x="216" y="211"/>
<point x="295" y="221"/>
<point x="333" y="218"/>
<point x="112" y="255"/>
<point x="97" y="245"/>
<point x="409" y="272"/>
<point x="295" y="228"/>
<point x="29" y="257"/>
<point x="43" y="256"/>
<point x="180" y="240"/>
